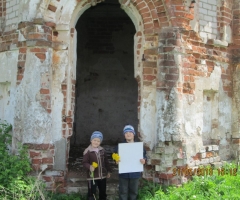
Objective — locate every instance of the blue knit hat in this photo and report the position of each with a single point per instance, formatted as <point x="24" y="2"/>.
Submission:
<point x="128" y="128"/>
<point x="97" y="134"/>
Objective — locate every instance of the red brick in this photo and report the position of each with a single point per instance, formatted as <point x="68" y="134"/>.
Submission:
<point x="147" y="83"/>
<point x="47" y="178"/>
<point x="149" y="77"/>
<point x="64" y="87"/>
<point x="58" y="179"/>
<point x="168" y="49"/>
<point x="209" y="154"/>
<point x="149" y="64"/>
<point x="180" y="8"/>
<point x="69" y="125"/>
<point x="34" y="154"/>
<point x="148" y="26"/>
<point x="197" y="156"/>
<point x="47" y="161"/>
<point x="37" y="50"/>
<point x="166" y="176"/>
<point x="21" y="64"/>
<point x="155" y="161"/>
<point x="69" y="119"/>
<point x="19" y="77"/>
<point x="36" y="167"/>
<point x="186" y="78"/>
<point x="147" y="70"/>
<point x="22" y="50"/>
<point x="44" y="91"/>
<point x="41" y="56"/>
<point x="40" y="146"/>
<point x="50" y="24"/>
<point x="52" y="8"/>
<point x="173" y="77"/>
<point x="37" y="161"/>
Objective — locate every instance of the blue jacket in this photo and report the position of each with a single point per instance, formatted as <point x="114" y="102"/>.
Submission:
<point x="132" y="174"/>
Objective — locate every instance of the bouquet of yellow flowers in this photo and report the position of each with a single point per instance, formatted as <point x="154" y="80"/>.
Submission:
<point x="115" y="157"/>
<point x="94" y="165"/>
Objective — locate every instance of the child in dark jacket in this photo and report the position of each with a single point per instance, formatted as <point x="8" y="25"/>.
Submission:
<point x="128" y="182"/>
<point x="96" y="162"/>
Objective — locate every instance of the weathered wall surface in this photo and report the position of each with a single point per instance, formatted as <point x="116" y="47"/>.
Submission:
<point x="186" y="62"/>
<point x="8" y="85"/>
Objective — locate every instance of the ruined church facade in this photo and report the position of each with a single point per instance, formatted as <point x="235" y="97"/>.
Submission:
<point x="184" y="56"/>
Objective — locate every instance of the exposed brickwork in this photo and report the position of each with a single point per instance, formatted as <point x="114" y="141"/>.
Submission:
<point x="149" y="61"/>
<point x="3" y="8"/>
<point x="190" y="68"/>
<point x="235" y="68"/>
<point x="42" y="158"/>
<point x="226" y="16"/>
<point x="167" y="35"/>
<point x="52" y="8"/>
<point x="67" y="123"/>
<point x="236" y="23"/>
<point x="41" y="154"/>
<point x="179" y="14"/>
<point x="169" y="77"/>
<point x="2" y="17"/>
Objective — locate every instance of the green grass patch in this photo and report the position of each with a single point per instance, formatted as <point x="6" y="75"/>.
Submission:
<point x="218" y="185"/>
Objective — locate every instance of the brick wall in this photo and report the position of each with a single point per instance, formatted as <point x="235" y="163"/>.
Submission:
<point x="158" y="46"/>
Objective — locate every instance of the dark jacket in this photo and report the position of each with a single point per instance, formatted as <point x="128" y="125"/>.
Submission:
<point x="90" y="156"/>
<point x="132" y="174"/>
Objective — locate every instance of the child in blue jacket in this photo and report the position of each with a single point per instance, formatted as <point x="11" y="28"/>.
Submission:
<point x="128" y="182"/>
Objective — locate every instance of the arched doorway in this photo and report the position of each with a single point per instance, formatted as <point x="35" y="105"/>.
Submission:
<point x="106" y="90"/>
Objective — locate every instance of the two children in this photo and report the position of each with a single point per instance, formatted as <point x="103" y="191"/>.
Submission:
<point x="96" y="162"/>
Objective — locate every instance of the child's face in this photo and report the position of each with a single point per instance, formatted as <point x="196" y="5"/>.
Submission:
<point x="95" y="142"/>
<point x="129" y="136"/>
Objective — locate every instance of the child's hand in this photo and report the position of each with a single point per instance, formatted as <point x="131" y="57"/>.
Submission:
<point x="91" y="168"/>
<point x="142" y="161"/>
<point x="108" y="175"/>
<point x="117" y="162"/>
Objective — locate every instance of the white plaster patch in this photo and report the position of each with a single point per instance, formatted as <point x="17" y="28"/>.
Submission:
<point x="188" y="128"/>
<point x="21" y="37"/>
<point x="227" y="34"/>
<point x="148" y="116"/>
<point x="29" y="10"/>
<point x="169" y="116"/>
<point x="66" y="13"/>
<point x="8" y="75"/>
<point x="57" y="96"/>
<point x="32" y="122"/>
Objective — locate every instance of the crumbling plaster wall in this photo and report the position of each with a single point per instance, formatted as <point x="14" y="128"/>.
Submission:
<point x="32" y="122"/>
<point x="8" y="77"/>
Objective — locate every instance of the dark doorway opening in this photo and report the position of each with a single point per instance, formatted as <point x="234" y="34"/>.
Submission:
<point x="106" y="90"/>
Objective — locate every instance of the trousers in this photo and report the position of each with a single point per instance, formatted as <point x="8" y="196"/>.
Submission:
<point x="101" y="184"/>
<point x="128" y="188"/>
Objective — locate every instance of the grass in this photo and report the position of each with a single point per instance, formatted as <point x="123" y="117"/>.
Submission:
<point x="218" y="185"/>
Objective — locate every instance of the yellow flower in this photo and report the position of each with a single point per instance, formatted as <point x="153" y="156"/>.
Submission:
<point x="94" y="164"/>
<point x="115" y="157"/>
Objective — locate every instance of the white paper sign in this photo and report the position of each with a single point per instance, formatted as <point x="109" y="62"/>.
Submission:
<point x="130" y="155"/>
